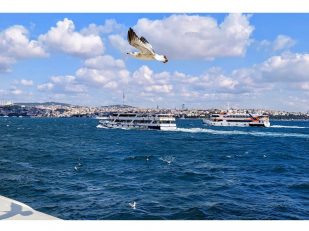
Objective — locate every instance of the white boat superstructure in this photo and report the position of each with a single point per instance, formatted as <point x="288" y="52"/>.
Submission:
<point x="139" y="121"/>
<point x="101" y="117"/>
<point x="237" y="119"/>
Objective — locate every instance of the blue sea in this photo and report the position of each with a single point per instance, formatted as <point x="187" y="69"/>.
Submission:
<point x="69" y="168"/>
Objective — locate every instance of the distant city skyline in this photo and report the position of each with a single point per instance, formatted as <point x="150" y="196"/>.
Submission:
<point x="244" y="60"/>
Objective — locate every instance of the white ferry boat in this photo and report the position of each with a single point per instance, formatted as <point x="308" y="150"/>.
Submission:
<point x="237" y="119"/>
<point x="139" y="121"/>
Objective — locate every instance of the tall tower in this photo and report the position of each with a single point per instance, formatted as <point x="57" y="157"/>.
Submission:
<point x="123" y="97"/>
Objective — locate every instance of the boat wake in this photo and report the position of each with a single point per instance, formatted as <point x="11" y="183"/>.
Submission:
<point x="237" y="132"/>
<point x="284" y="126"/>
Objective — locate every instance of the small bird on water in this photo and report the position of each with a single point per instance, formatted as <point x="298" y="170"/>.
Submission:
<point x="133" y="205"/>
<point x="77" y="166"/>
<point x="146" y="51"/>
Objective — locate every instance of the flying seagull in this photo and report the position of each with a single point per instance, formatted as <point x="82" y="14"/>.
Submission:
<point x="146" y="51"/>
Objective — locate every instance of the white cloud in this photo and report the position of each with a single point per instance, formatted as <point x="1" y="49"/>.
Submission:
<point x="282" y="73"/>
<point x="119" y="43"/>
<point x="64" y="38"/>
<point x="96" y="74"/>
<point x="283" y="42"/>
<point x="165" y="88"/>
<point x="144" y="79"/>
<point x="143" y="76"/>
<point x="264" y="44"/>
<point x="24" y="82"/>
<point x="104" y="62"/>
<point x="194" y="36"/>
<point x="214" y="80"/>
<point x="15" y="44"/>
<point x="103" y="71"/>
<point x="178" y="87"/>
<point x="304" y="86"/>
<point x="288" y="67"/>
<point x="145" y="85"/>
<point x="277" y="76"/>
<point x="63" y="84"/>
<point x="5" y="63"/>
<point x="45" y="86"/>
<point x="227" y="83"/>
<point x="109" y="26"/>
<point x="16" y="91"/>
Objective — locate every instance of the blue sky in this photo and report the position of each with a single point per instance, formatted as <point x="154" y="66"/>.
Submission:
<point x="246" y="60"/>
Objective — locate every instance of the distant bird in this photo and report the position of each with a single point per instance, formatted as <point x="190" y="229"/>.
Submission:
<point x="133" y="205"/>
<point x="146" y="50"/>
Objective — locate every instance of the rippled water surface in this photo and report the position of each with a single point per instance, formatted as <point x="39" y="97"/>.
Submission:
<point x="72" y="170"/>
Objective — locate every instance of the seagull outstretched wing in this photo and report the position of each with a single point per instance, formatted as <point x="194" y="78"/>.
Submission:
<point x="139" y="43"/>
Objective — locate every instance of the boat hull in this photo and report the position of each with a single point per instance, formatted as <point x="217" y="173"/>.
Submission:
<point x="236" y="124"/>
<point x="163" y="127"/>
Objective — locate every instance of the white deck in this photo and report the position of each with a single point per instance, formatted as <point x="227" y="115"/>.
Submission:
<point x="14" y="210"/>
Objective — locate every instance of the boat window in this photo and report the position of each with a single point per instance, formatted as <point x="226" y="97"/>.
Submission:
<point x="127" y="115"/>
<point x="163" y="115"/>
<point x="167" y="122"/>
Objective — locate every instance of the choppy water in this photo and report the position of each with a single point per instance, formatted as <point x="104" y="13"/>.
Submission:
<point x="71" y="169"/>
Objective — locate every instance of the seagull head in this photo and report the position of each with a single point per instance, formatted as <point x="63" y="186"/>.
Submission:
<point x="166" y="60"/>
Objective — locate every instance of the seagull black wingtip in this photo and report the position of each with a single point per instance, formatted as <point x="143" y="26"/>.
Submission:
<point x="130" y="32"/>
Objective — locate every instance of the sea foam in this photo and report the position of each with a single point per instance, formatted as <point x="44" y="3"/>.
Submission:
<point x="237" y="132"/>
<point x="284" y="126"/>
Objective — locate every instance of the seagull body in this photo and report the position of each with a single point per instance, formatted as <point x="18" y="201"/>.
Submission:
<point x="146" y="51"/>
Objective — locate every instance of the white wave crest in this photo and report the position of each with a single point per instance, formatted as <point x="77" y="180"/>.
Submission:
<point x="167" y="159"/>
<point x="237" y="132"/>
<point x="285" y="126"/>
